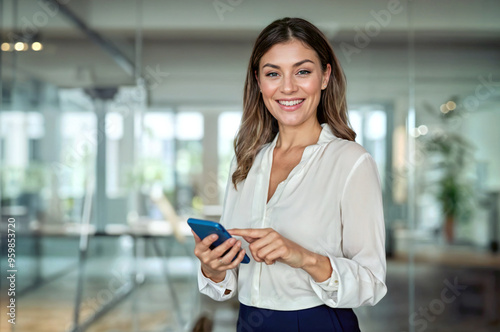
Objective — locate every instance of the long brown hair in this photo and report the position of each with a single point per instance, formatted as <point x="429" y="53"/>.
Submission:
<point x="258" y="126"/>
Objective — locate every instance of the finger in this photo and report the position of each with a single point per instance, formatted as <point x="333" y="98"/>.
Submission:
<point x="250" y="239"/>
<point x="207" y="241"/>
<point x="259" y="244"/>
<point x="233" y="231"/>
<point x="250" y="232"/>
<point x="221" y="249"/>
<point x="263" y="252"/>
<point x="227" y="258"/>
<point x="274" y="256"/>
<point x="238" y="260"/>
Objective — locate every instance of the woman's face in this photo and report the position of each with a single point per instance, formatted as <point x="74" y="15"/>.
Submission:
<point x="291" y="79"/>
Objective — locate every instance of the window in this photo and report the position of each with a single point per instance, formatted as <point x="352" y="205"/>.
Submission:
<point x="229" y="123"/>
<point x="370" y="125"/>
<point x="171" y="154"/>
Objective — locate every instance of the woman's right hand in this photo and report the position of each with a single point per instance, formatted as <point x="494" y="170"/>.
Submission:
<point x="214" y="263"/>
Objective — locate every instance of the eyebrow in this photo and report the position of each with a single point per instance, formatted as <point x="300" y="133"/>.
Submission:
<point x="295" y="65"/>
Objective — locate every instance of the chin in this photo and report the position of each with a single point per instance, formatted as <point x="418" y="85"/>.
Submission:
<point x="291" y="122"/>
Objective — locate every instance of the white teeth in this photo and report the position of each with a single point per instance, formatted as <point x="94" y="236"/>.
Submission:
<point x="291" y="102"/>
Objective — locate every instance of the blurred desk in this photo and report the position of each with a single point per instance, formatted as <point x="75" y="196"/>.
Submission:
<point x="142" y="227"/>
<point x="151" y="231"/>
<point x="452" y="256"/>
<point x="482" y="270"/>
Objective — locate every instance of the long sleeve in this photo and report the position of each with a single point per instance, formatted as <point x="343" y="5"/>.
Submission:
<point x="220" y="291"/>
<point x="358" y="278"/>
<point x="225" y="289"/>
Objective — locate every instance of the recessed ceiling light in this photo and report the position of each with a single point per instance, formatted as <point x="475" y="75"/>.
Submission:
<point x="19" y="46"/>
<point x="36" y="46"/>
<point x="6" y="47"/>
<point x="423" y="130"/>
<point x="451" y="105"/>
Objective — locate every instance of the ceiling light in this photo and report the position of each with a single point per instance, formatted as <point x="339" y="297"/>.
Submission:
<point x="451" y="105"/>
<point x="19" y="46"/>
<point x="36" y="46"/>
<point x="423" y="130"/>
<point x="6" y="47"/>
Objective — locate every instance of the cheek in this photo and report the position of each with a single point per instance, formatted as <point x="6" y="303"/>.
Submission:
<point x="312" y="87"/>
<point x="268" y="89"/>
<point x="270" y="104"/>
<point x="268" y="93"/>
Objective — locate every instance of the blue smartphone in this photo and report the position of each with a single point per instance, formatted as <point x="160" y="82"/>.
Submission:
<point x="204" y="228"/>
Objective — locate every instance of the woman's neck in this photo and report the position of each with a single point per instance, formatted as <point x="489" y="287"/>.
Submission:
<point x="291" y="137"/>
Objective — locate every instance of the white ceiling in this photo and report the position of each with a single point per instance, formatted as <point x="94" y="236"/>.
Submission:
<point x="245" y="18"/>
<point x="202" y="54"/>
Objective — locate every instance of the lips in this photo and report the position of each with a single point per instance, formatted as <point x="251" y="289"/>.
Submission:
<point x="292" y="102"/>
<point x="290" y="105"/>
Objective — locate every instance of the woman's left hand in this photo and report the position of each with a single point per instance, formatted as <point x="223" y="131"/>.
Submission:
<point x="267" y="245"/>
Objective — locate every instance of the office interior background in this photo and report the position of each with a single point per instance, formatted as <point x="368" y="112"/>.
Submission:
<point x="117" y="121"/>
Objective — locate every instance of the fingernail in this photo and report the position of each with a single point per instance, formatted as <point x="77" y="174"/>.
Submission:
<point x="231" y="241"/>
<point x="214" y="236"/>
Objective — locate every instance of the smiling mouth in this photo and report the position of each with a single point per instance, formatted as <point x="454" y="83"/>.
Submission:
<point x="290" y="102"/>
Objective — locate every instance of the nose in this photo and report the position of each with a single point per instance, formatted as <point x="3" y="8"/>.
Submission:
<point x="288" y="84"/>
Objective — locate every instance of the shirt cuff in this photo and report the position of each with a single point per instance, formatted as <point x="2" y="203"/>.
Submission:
<point x="331" y="284"/>
<point x="219" y="287"/>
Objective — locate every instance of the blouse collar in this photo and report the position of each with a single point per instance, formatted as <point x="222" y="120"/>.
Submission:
<point x="325" y="136"/>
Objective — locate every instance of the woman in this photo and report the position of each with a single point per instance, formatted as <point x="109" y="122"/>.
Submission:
<point x="304" y="197"/>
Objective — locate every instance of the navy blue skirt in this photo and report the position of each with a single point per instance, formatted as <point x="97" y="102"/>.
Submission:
<point x="317" y="319"/>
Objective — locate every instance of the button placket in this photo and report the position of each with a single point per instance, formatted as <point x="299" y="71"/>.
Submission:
<point x="267" y="218"/>
<point x="263" y="209"/>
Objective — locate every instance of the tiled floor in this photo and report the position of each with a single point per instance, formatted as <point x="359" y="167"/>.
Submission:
<point x="150" y="307"/>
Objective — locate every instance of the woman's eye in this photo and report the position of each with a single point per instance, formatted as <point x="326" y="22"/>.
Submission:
<point x="304" y="72"/>
<point x="272" y="74"/>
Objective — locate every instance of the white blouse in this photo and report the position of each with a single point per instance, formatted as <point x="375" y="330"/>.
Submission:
<point x="330" y="204"/>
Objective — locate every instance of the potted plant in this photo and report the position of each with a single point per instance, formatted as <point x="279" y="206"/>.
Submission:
<point x="449" y="159"/>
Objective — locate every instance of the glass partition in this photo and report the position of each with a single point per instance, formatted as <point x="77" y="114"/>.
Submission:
<point x="455" y="233"/>
<point x="118" y="118"/>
